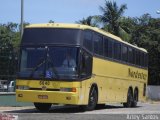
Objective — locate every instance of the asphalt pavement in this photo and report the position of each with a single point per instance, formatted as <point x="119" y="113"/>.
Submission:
<point x="144" y="111"/>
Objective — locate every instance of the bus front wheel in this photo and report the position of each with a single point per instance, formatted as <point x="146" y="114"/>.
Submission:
<point x="92" y="101"/>
<point x="43" y="107"/>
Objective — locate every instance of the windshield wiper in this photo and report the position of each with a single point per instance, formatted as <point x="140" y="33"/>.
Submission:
<point x="47" y="61"/>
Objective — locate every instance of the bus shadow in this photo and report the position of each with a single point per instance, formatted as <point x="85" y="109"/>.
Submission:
<point x="65" y="109"/>
<point x="114" y="107"/>
<point x="59" y="109"/>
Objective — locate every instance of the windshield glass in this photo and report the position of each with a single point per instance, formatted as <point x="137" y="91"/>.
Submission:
<point x="49" y="63"/>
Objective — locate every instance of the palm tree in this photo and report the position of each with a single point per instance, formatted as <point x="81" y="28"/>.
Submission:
<point x="111" y="16"/>
<point x="91" y="21"/>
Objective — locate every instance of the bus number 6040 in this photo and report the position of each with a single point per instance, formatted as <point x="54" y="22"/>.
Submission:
<point x="44" y="83"/>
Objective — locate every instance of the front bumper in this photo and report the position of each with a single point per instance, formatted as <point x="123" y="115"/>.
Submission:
<point x="57" y="97"/>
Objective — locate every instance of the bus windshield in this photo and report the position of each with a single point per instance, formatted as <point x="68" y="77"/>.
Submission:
<point x="49" y="63"/>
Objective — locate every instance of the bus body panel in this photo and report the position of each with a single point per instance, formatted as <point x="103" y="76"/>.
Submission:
<point x="114" y="79"/>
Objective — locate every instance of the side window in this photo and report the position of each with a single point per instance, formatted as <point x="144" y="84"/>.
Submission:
<point x="86" y="66"/>
<point x="124" y="53"/>
<point x="98" y="44"/>
<point x="134" y="56"/>
<point x="110" y="48"/>
<point x="137" y="57"/>
<point x="142" y="59"/>
<point x="87" y="42"/>
<point x="146" y="60"/>
<point x="130" y="56"/>
<point x="117" y="51"/>
<point x="105" y="47"/>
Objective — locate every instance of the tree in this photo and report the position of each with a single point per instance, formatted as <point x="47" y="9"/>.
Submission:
<point x="146" y="34"/>
<point x="91" y="21"/>
<point x="9" y="38"/>
<point x="111" y="16"/>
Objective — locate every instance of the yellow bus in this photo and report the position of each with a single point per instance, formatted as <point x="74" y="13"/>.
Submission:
<point x="80" y="65"/>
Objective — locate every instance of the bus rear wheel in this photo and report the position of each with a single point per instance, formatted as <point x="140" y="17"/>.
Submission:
<point x="43" y="107"/>
<point x="92" y="101"/>
<point x="129" y="102"/>
<point x="135" y="99"/>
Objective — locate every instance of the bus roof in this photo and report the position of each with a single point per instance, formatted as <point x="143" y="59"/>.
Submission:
<point x="83" y="27"/>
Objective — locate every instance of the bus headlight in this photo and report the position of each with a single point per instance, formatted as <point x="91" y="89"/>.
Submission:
<point x="22" y="87"/>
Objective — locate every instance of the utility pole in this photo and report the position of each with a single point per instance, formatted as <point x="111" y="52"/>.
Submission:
<point x="22" y="13"/>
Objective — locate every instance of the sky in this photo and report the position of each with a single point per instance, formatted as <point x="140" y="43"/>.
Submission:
<point x="69" y="11"/>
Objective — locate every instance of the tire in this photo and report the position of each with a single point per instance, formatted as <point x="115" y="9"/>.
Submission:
<point x="129" y="102"/>
<point x="135" y="99"/>
<point x="43" y="107"/>
<point x="92" y="101"/>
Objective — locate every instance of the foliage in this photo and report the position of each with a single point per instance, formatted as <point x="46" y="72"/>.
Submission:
<point x="9" y="39"/>
<point x="146" y="34"/>
<point x="91" y="21"/>
<point x="111" y="16"/>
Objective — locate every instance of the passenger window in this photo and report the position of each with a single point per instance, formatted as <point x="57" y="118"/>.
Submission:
<point x="124" y="53"/>
<point x="110" y="48"/>
<point x="146" y="60"/>
<point x="142" y="59"/>
<point x="106" y="47"/>
<point x="134" y="56"/>
<point x="117" y="51"/>
<point x="88" y="40"/>
<point x="130" y="55"/>
<point x="137" y="57"/>
<point x="98" y="44"/>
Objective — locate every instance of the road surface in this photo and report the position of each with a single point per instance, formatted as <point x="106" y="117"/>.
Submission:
<point x="144" y="111"/>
